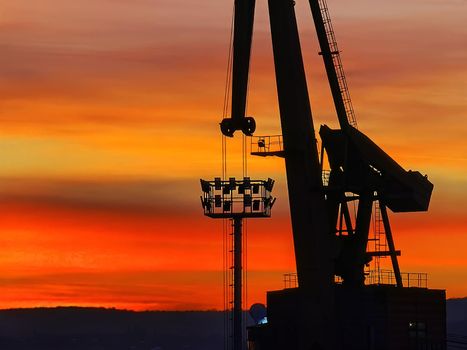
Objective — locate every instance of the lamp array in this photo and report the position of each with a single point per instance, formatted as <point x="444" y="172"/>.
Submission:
<point x="232" y="197"/>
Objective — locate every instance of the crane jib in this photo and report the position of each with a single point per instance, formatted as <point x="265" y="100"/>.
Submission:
<point x="243" y="31"/>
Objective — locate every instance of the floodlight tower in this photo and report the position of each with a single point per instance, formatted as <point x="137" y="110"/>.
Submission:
<point x="235" y="200"/>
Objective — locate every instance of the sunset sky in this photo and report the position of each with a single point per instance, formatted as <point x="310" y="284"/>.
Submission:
<point x="109" y="115"/>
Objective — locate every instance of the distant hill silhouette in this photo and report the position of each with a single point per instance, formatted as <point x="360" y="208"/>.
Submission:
<point x="75" y="328"/>
<point x="456" y="314"/>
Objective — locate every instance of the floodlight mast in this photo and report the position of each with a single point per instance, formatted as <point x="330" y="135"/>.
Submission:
<point x="235" y="200"/>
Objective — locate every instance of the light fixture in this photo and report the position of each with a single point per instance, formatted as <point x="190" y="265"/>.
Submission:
<point x="269" y="185"/>
<point x="247" y="200"/>
<point x="205" y="186"/>
<point x="217" y="200"/>
<point x="217" y="183"/>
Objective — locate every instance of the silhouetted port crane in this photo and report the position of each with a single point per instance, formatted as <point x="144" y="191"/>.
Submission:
<point x="321" y="313"/>
<point x="360" y="172"/>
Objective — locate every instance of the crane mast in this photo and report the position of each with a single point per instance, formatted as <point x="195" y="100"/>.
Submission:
<point x="304" y="180"/>
<point x="311" y="233"/>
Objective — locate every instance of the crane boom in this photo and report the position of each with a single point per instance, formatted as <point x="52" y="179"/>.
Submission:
<point x="243" y="31"/>
<point x="333" y="63"/>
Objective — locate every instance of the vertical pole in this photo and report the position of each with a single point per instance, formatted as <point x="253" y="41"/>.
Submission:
<point x="355" y="264"/>
<point x="391" y="246"/>
<point x="348" y="220"/>
<point x="237" y="309"/>
<point x="311" y="232"/>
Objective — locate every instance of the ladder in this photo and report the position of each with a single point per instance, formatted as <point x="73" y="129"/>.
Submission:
<point x="379" y="237"/>
<point x="337" y="63"/>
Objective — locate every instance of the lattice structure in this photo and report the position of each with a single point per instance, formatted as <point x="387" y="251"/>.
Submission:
<point x="234" y="200"/>
<point x="377" y="243"/>
<point x="337" y="63"/>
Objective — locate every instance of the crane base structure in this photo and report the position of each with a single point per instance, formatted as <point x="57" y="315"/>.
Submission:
<point x="376" y="317"/>
<point x="366" y="318"/>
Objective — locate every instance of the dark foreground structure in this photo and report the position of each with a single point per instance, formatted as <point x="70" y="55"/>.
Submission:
<point x="74" y="328"/>
<point x="334" y="305"/>
<point x="369" y="318"/>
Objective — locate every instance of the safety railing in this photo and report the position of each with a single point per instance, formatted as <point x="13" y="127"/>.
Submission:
<point x="270" y="145"/>
<point x="387" y="277"/>
<point x="381" y="277"/>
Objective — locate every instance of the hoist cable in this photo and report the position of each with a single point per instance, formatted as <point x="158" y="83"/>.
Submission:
<point x="226" y="224"/>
